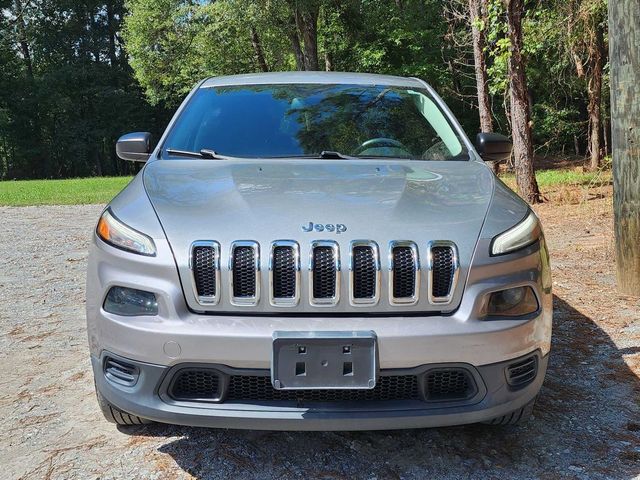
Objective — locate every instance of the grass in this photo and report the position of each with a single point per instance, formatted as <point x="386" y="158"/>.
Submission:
<point x="549" y="179"/>
<point x="78" y="191"/>
<point x="75" y="191"/>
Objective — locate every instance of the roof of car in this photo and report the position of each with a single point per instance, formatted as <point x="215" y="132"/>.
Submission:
<point x="312" y="77"/>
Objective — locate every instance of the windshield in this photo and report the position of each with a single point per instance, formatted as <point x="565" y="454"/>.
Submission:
<point x="304" y="120"/>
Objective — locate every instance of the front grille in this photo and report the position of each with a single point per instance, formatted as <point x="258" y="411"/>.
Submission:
<point x="244" y="272"/>
<point x="442" y="264"/>
<point x="196" y="385"/>
<point x="203" y="262"/>
<point x="284" y="272"/>
<point x="241" y="285"/>
<point x="449" y="384"/>
<point x="404" y="272"/>
<point x="257" y="388"/>
<point x="365" y="272"/>
<point x="522" y="373"/>
<point x="324" y="272"/>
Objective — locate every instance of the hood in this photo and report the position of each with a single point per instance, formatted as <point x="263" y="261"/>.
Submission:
<point x="266" y="200"/>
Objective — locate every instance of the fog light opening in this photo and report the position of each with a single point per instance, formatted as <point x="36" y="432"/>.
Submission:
<point x="512" y="302"/>
<point x="130" y="302"/>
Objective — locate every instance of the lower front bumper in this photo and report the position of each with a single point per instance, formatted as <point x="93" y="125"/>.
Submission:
<point x="148" y="400"/>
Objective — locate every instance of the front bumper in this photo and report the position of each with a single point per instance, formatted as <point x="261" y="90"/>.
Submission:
<point x="148" y="399"/>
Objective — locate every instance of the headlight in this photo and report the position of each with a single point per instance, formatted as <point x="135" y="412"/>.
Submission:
<point x="512" y="302"/>
<point x="116" y="233"/>
<point x="130" y="302"/>
<point x="522" y="235"/>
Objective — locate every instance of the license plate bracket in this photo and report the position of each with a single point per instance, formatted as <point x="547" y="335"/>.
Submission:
<point x="324" y="360"/>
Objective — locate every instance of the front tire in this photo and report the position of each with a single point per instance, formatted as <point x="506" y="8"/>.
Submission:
<point x="517" y="417"/>
<point x="115" y="415"/>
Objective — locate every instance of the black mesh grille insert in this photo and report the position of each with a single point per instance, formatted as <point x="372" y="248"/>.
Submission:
<point x="204" y="270"/>
<point x="324" y="272"/>
<point x="196" y="384"/>
<point x="449" y="384"/>
<point x="401" y="387"/>
<point x="442" y="258"/>
<point x="364" y="272"/>
<point x="284" y="272"/>
<point x="523" y="372"/>
<point x="404" y="274"/>
<point x="244" y="272"/>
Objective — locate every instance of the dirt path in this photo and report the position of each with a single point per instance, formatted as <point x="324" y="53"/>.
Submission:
<point x="587" y="422"/>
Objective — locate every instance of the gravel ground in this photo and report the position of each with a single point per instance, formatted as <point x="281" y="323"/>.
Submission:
<point x="586" y="424"/>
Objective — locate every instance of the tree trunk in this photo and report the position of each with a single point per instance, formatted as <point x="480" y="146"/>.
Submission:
<point x="257" y="48"/>
<point x="482" y="78"/>
<point x="307" y="23"/>
<point x="519" y="100"/>
<point x="113" y="59"/>
<point x="596" y="56"/>
<point x="294" y="38"/>
<point x="22" y="38"/>
<point x="624" y="54"/>
<point x="328" y="62"/>
<point x="477" y="13"/>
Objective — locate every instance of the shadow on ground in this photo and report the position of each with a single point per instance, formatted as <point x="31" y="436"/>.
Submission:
<point x="586" y="425"/>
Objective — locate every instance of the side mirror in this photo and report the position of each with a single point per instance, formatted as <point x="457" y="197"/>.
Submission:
<point x="493" y="147"/>
<point x="134" y="147"/>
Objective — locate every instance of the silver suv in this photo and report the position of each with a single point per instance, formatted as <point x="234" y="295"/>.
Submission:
<point x="317" y="251"/>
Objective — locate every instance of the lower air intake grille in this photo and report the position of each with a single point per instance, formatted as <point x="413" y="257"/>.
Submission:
<point x="284" y="272"/>
<point x="401" y="387"/>
<point x="244" y="272"/>
<point x="120" y="372"/>
<point x="196" y="385"/>
<point x="404" y="272"/>
<point x="449" y="384"/>
<point x="324" y="273"/>
<point x="364" y="272"/>
<point x="443" y="270"/>
<point x="522" y="373"/>
<point x="204" y="270"/>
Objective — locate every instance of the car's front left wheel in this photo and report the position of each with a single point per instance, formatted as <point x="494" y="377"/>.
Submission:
<point x="517" y="417"/>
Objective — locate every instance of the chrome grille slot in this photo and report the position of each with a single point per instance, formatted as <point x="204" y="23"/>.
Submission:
<point x="324" y="275"/>
<point x="364" y="273"/>
<point x="443" y="271"/>
<point x="205" y="268"/>
<point x="404" y="277"/>
<point x="284" y="273"/>
<point x="244" y="273"/>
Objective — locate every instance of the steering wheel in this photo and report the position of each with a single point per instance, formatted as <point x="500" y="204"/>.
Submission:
<point x="380" y="142"/>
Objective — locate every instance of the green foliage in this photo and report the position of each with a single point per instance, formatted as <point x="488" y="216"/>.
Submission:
<point x="95" y="70"/>
<point x="61" y="192"/>
<point x="63" y="107"/>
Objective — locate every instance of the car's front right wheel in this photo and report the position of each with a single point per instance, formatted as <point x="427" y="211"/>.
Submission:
<point x="114" y="415"/>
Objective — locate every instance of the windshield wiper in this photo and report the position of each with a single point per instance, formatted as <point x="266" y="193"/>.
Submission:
<point x="331" y="155"/>
<point x="203" y="153"/>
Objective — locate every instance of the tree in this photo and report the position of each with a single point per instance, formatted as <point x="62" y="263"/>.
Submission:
<point x="478" y="20"/>
<point x="519" y="106"/>
<point x="596" y="60"/>
<point x="624" y="18"/>
<point x="477" y="17"/>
